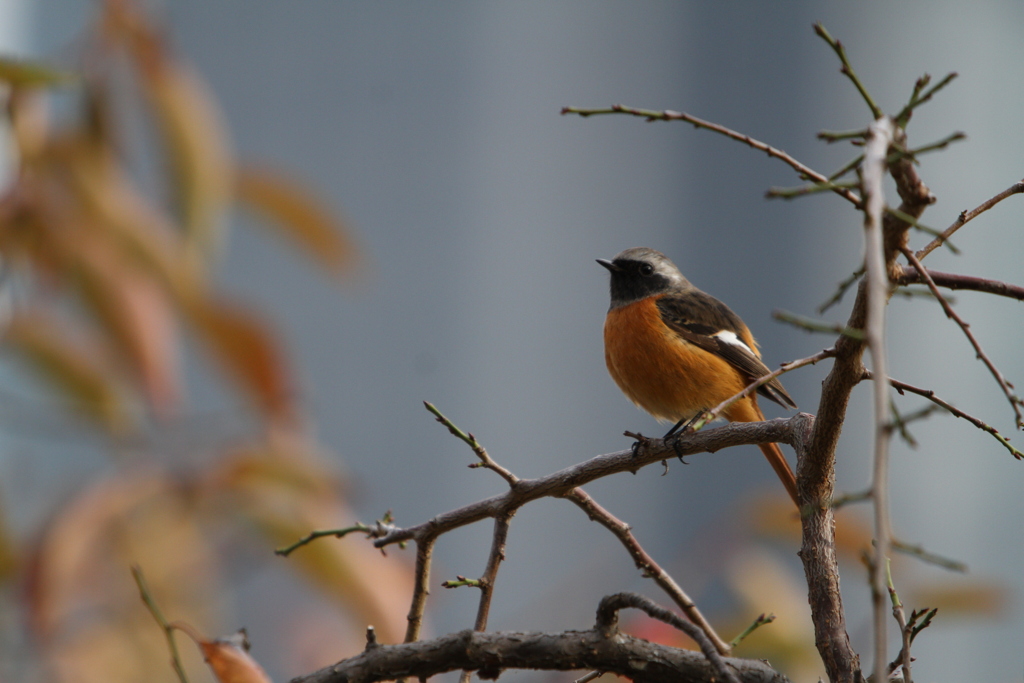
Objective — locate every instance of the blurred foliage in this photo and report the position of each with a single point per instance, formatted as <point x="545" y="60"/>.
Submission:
<point x="106" y="281"/>
<point x="754" y="551"/>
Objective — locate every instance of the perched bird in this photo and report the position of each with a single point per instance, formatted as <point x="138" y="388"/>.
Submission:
<point x="676" y="351"/>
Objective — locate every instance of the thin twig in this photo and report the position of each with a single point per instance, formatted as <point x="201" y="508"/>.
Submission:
<point x="935" y="146"/>
<point x="851" y="165"/>
<point x="831" y="136"/>
<point x="917" y="99"/>
<point x="841" y="290"/>
<point x="804" y="190"/>
<point x="812" y="325"/>
<point x="669" y="115"/>
<point x="877" y="282"/>
<point x="929" y="557"/>
<point x="876" y="111"/>
<point x="849" y="498"/>
<point x="758" y="623"/>
<point x="646" y="564"/>
<point x="931" y="396"/>
<point x="901" y="620"/>
<point x="165" y="626"/>
<point x="1015" y="401"/>
<point x="917" y="225"/>
<point x="967" y="216"/>
<point x="714" y="413"/>
<point x="470" y="440"/>
<point x="380" y="529"/>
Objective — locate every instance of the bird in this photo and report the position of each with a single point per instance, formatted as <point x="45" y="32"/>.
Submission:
<point x="676" y="351"/>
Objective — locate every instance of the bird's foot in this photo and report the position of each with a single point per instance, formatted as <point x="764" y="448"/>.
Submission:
<point x="639" y="443"/>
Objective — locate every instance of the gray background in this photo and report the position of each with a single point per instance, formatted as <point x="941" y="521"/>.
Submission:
<point x="435" y="129"/>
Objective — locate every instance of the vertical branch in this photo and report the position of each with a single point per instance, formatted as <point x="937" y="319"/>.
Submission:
<point x="424" y="552"/>
<point x="165" y="626"/>
<point x="880" y="136"/>
<point x="501" y="524"/>
<point x="815" y="476"/>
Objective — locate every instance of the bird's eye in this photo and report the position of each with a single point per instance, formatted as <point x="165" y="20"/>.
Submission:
<point x="646" y="269"/>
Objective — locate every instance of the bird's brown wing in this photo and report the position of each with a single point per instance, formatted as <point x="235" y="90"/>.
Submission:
<point x="700" y="318"/>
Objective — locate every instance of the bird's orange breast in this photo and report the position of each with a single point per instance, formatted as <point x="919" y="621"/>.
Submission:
<point x="665" y="375"/>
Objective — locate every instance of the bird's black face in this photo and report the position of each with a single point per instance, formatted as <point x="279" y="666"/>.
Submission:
<point x="640" y="273"/>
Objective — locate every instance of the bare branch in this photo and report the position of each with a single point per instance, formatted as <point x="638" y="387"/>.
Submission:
<point x="491" y="572"/>
<point x="841" y="290"/>
<point x="558" y="484"/>
<point x="901" y="621"/>
<point x="880" y="137"/>
<point x="876" y="111"/>
<point x="165" y="626"/>
<point x="931" y="396"/>
<point x="917" y="98"/>
<point x="669" y="115"/>
<point x="716" y="412"/>
<point x="608" y="619"/>
<point x="646" y="564"/>
<point x="812" y="325"/>
<point x="909" y="276"/>
<point x="490" y="653"/>
<point x="421" y="586"/>
<point x="470" y="440"/>
<point x="1015" y="401"/>
<point x="967" y="216"/>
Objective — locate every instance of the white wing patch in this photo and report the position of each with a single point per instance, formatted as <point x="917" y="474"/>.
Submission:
<point x="730" y="337"/>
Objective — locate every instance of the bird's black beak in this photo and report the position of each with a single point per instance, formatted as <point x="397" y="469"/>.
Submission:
<point x="609" y="265"/>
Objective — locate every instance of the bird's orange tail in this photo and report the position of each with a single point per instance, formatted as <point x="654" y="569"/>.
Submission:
<point x="778" y="462"/>
<point x="747" y="410"/>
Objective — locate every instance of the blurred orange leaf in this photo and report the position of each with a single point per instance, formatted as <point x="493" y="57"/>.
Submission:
<point x="190" y="122"/>
<point x="135" y="313"/>
<point x="248" y="352"/>
<point x="289" y="491"/>
<point x="230" y="660"/>
<point x="961" y="597"/>
<point x="297" y="215"/>
<point x="76" y="368"/>
<point x="112" y="204"/>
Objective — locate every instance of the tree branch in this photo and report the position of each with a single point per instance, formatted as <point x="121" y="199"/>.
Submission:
<point x="1015" y="401"/>
<point x="558" y="484"/>
<point x="668" y="115"/>
<point x="646" y="564"/>
<point x="931" y="396"/>
<point x="880" y="137"/>
<point x="602" y="648"/>
<point x="967" y="216"/>
<point x="911" y="276"/>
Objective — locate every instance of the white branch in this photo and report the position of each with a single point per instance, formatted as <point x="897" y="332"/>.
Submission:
<point x="875" y="150"/>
